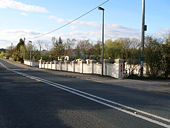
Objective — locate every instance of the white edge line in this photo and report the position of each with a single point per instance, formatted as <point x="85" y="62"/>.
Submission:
<point x="100" y="102"/>
<point x="130" y="108"/>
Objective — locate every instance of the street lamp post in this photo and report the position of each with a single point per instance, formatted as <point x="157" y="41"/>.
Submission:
<point x="144" y="28"/>
<point x="30" y="51"/>
<point x="102" y="9"/>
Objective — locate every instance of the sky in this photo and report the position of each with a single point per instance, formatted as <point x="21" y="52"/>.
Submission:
<point x="32" y="18"/>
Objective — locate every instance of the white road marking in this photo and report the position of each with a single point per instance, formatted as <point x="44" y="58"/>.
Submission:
<point x="19" y="69"/>
<point x="102" y="101"/>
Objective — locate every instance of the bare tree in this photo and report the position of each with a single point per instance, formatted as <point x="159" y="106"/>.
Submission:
<point x="40" y="45"/>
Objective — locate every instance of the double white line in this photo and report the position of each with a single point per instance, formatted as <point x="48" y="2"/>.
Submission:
<point x="161" y="121"/>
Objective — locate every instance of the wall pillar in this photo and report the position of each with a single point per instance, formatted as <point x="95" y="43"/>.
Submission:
<point x="81" y="66"/>
<point x="55" y="65"/>
<point x="51" y="64"/>
<point x="40" y="63"/>
<point x="43" y="65"/>
<point x="92" y="66"/>
<point x="66" y="65"/>
<point x="73" y="65"/>
<point x="120" y="72"/>
<point x="60" y="65"/>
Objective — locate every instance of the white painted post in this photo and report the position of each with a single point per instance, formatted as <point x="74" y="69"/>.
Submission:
<point x="40" y="63"/>
<point x="66" y="65"/>
<point x="60" y="65"/>
<point x="46" y="65"/>
<point x="81" y="66"/>
<point x="92" y="66"/>
<point x="73" y="65"/>
<point x="119" y="68"/>
<point x="51" y="65"/>
<point x="55" y="65"/>
<point x="121" y="74"/>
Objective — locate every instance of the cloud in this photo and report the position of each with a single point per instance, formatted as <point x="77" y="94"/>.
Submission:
<point x="96" y="35"/>
<point x="13" y="35"/>
<point x="112" y="31"/>
<point x="80" y="23"/>
<point x="81" y="35"/>
<point x="21" y="6"/>
<point x="23" y="14"/>
<point x="163" y="32"/>
<point x="87" y="24"/>
<point x="72" y="27"/>
<point x="93" y="32"/>
<point x="5" y="43"/>
<point x="57" y="19"/>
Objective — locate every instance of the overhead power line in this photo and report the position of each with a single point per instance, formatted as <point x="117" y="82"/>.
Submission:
<point x="70" y="22"/>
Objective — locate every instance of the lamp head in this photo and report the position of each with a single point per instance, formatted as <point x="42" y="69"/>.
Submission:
<point x="100" y="8"/>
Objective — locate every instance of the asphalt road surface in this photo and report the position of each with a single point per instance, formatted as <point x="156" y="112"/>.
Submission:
<point x="37" y="99"/>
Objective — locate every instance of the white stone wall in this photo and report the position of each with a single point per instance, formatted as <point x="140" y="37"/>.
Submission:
<point x="31" y="63"/>
<point x="63" y="66"/>
<point x="97" y="68"/>
<point x="71" y="67"/>
<point x="77" y="68"/>
<point x="89" y="67"/>
<point x="53" y="66"/>
<point x="110" y="71"/>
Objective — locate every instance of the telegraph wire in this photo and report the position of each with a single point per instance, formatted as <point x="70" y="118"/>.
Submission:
<point x="70" y="22"/>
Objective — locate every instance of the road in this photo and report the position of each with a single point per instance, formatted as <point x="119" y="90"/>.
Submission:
<point x="37" y="99"/>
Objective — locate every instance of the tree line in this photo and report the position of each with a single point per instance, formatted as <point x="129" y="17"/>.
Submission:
<point x="156" y="52"/>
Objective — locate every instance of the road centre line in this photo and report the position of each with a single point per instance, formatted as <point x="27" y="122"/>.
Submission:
<point x="109" y="101"/>
<point x="101" y="101"/>
<point x="121" y="105"/>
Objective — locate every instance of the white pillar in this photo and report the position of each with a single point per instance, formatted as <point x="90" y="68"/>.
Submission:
<point x="119" y="63"/>
<point x="51" y="65"/>
<point x="66" y="65"/>
<point x="55" y="65"/>
<point x="73" y="65"/>
<point x="81" y="66"/>
<point x="92" y="66"/>
<point x="40" y="63"/>
<point x="60" y="65"/>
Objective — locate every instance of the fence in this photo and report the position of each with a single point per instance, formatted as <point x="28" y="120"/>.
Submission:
<point x="31" y="63"/>
<point x="89" y="67"/>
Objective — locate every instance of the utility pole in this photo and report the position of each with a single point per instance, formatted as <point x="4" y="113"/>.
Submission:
<point x="11" y="46"/>
<point x="30" y="50"/>
<point x="144" y="28"/>
<point x="102" y="9"/>
<point x="24" y="49"/>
